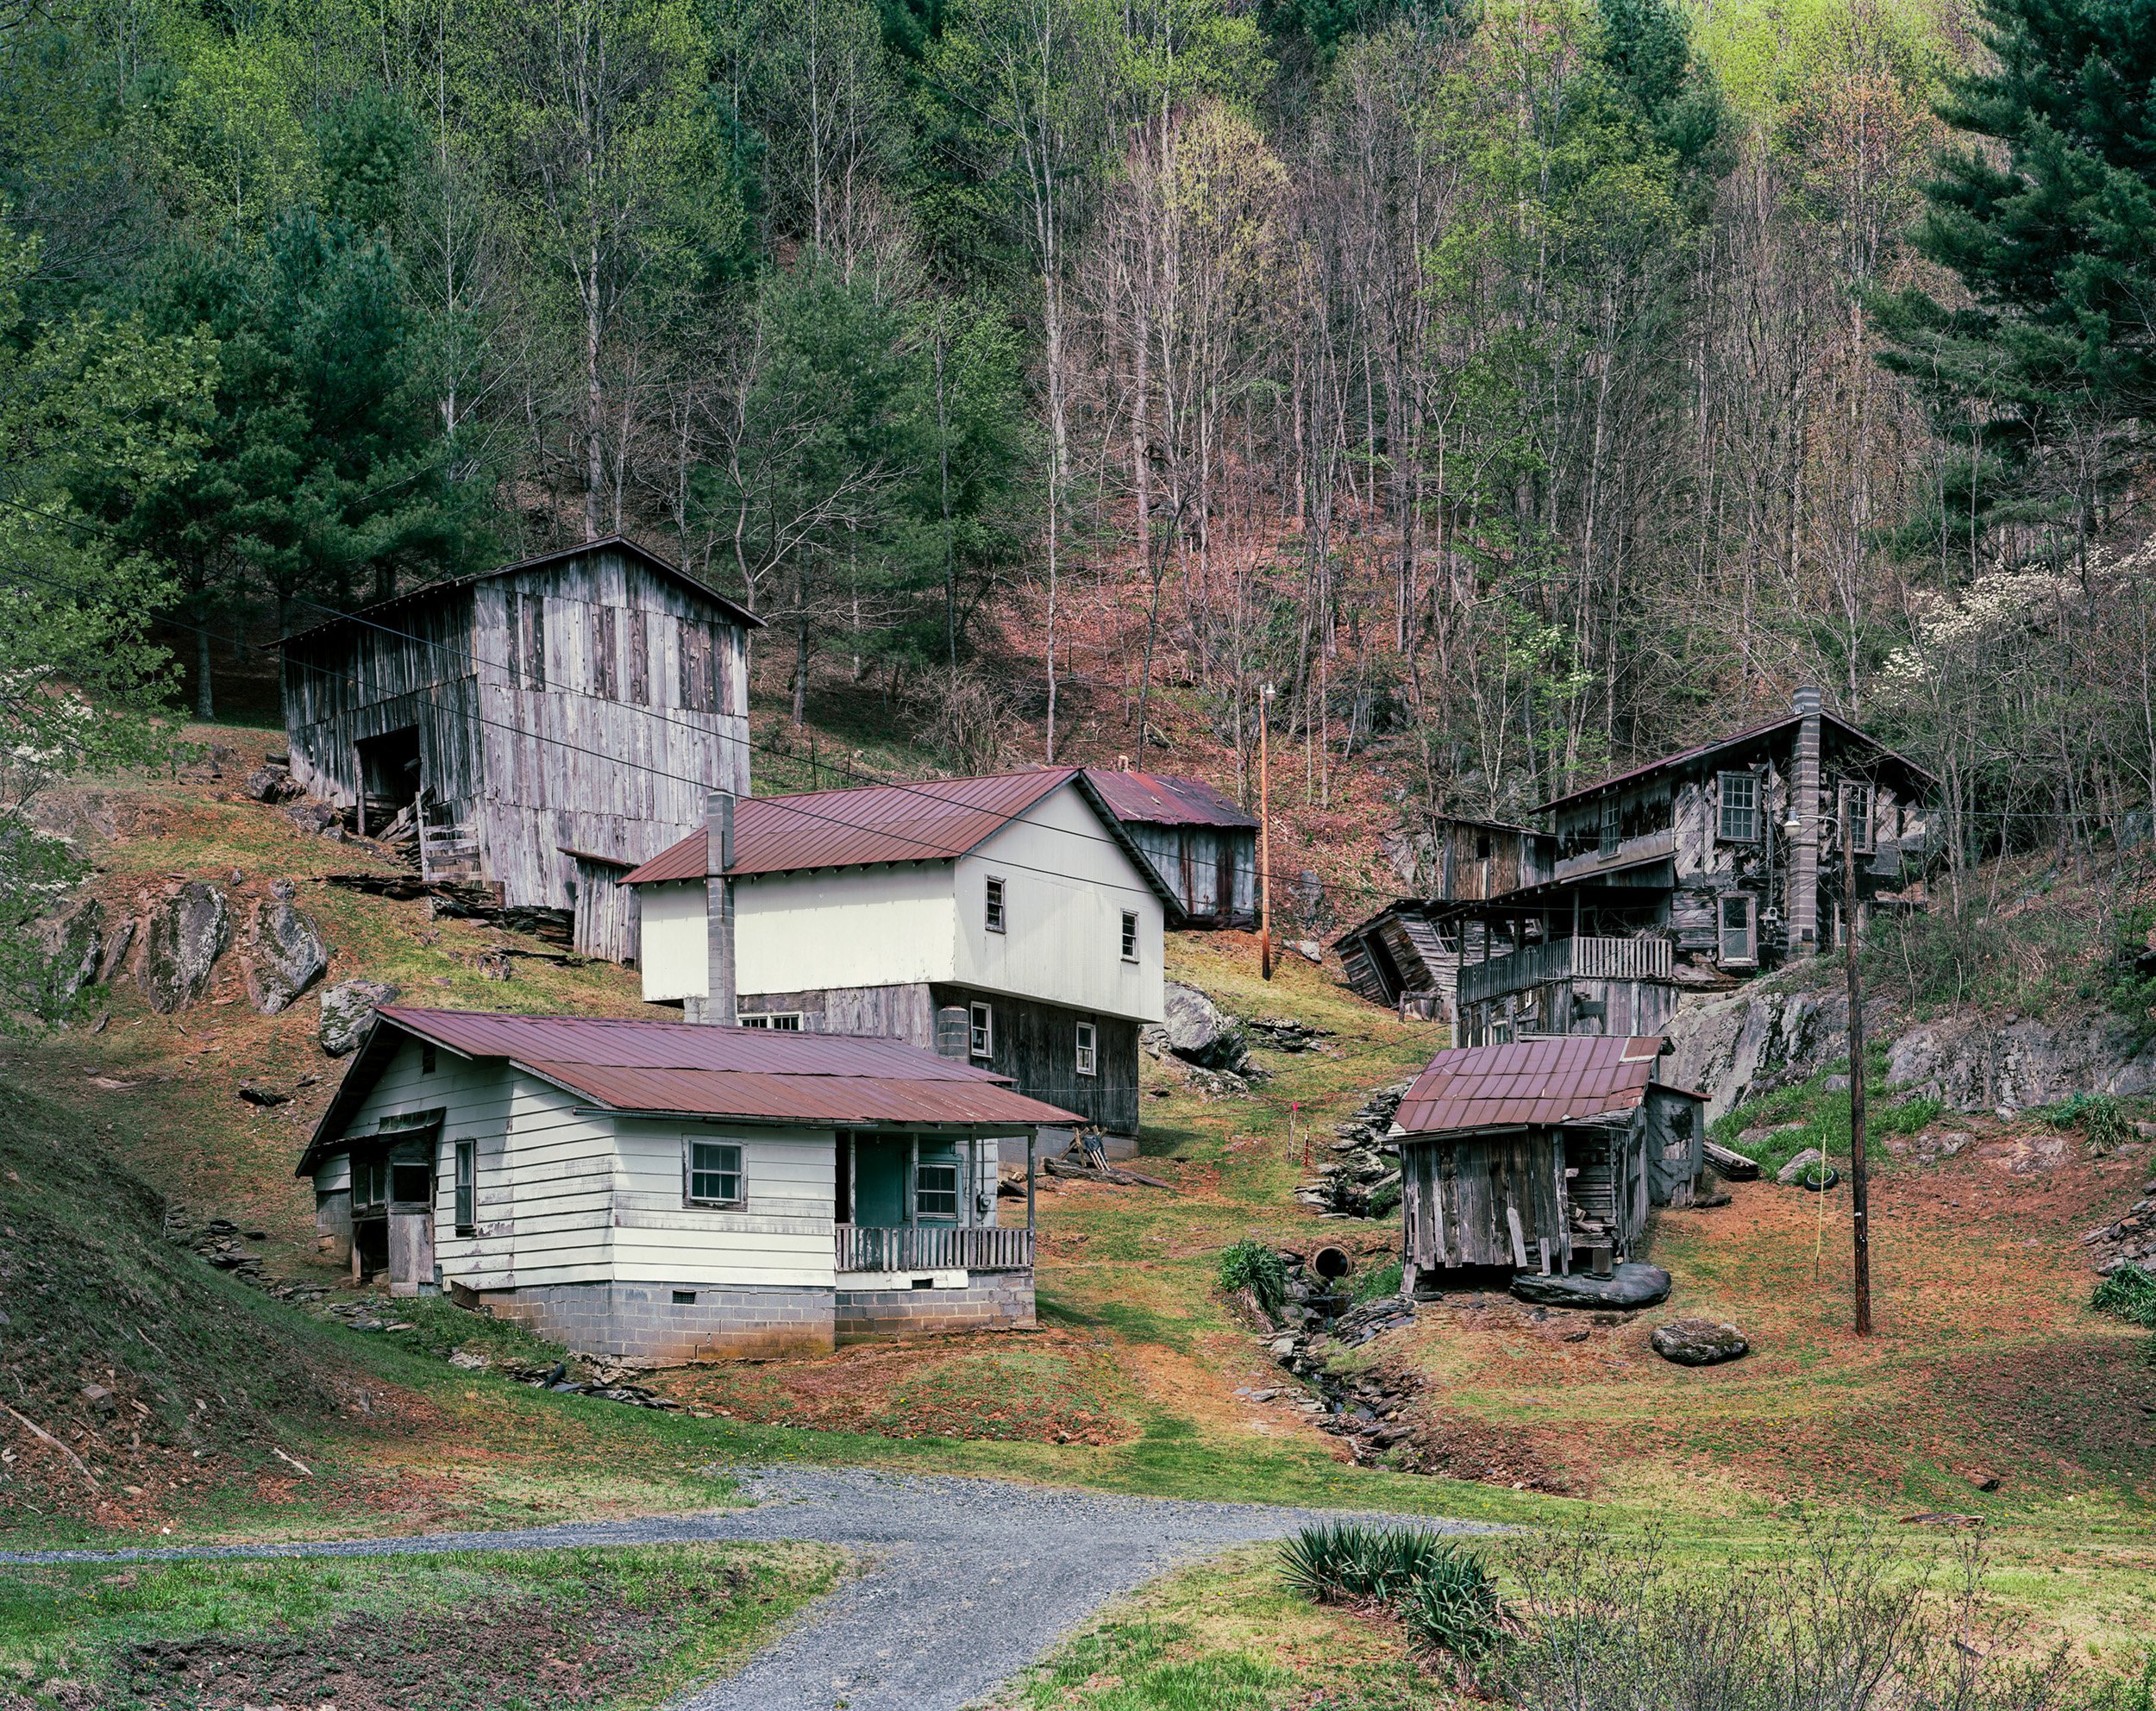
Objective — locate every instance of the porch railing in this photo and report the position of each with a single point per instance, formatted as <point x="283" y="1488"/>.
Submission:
<point x="926" y="1247"/>
<point x="1562" y="959"/>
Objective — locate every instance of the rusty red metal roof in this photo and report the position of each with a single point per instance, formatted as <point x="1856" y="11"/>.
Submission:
<point x="629" y="1064"/>
<point x="1536" y="1083"/>
<point x="932" y="821"/>
<point x="1699" y="751"/>
<point x="1155" y="800"/>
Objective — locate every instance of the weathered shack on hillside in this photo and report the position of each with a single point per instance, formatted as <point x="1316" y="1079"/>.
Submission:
<point x="1541" y="1156"/>
<point x="1407" y="956"/>
<point x="1203" y="847"/>
<point x="571" y="706"/>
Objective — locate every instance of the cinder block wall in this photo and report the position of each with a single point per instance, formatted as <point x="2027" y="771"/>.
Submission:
<point x="992" y="1300"/>
<point x="644" y="1321"/>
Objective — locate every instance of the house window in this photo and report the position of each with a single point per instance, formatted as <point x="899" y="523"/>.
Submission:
<point x="994" y="912"/>
<point x="1088" y="1049"/>
<point x="1129" y="936"/>
<point x="1609" y="838"/>
<point x="983" y="1042"/>
<point x="936" y="1192"/>
<point x="605" y="673"/>
<point x="778" y="1021"/>
<point x="369" y="1182"/>
<point x="411" y="1184"/>
<point x="1482" y="846"/>
<point x="426" y="1057"/>
<point x="467" y="1182"/>
<point x="714" y="1172"/>
<point x="1856" y="818"/>
<point x="1739" y="820"/>
<point x="1740" y="940"/>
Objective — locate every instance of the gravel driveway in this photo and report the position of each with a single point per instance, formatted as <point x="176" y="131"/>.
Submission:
<point x="968" y="1580"/>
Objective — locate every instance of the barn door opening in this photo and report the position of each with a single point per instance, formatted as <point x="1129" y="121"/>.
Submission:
<point x="388" y="780"/>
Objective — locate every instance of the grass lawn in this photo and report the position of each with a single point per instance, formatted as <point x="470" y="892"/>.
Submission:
<point x="513" y="1631"/>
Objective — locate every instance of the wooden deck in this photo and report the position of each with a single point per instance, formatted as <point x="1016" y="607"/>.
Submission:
<point x="932" y="1248"/>
<point x="1565" y="959"/>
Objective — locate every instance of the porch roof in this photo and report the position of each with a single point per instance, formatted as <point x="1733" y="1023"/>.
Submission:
<point x="681" y="1068"/>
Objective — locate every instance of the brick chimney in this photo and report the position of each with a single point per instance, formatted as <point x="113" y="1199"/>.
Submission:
<point x="1804" y="809"/>
<point x="721" y="1000"/>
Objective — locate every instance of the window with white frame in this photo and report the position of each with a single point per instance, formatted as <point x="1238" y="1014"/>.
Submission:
<point x="775" y="1021"/>
<point x="1737" y="821"/>
<point x="1129" y="936"/>
<point x="935" y="1191"/>
<point x="1088" y="1049"/>
<point x="1609" y="826"/>
<point x="1738" y="926"/>
<point x="467" y="1187"/>
<point x="994" y="914"/>
<point x="714" y="1172"/>
<point x="1856" y="817"/>
<point x="983" y="1031"/>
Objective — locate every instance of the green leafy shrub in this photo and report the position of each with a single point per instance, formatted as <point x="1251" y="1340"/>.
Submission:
<point x="1443" y="1594"/>
<point x="1251" y="1264"/>
<point x="1379" y="1280"/>
<point x="1453" y="1605"/>
<point x="2102" y="1118"/>
<point x="2128" y="1293"/>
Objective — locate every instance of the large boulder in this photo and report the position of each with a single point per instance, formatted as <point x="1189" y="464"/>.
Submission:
<point x="1630" y="1285"/>
<point x="347" y="1010"/>
<point x="271" y="784"/>
<point x="75" y="948"/>
<point x="1194" y="1028"/>
<point x="186" y="931"/>
<point x="1698" y="1342"/>
<point x="286" y="953"/>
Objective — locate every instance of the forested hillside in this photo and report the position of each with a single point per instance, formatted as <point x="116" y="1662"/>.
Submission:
<point x="1518" y="387"/>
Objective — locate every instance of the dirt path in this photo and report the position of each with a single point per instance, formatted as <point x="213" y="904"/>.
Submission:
<point x="966" y="1582"/>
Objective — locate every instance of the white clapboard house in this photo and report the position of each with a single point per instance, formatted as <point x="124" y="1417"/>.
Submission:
<point x="1010" y="919"/>
<point x="671" y="1191"/>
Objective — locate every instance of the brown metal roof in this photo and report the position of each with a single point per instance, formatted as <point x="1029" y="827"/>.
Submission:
<point x="1155" y="799"/>
<point x="619" y="544"/>
<point x="632" y="1065"/>
<point x="1531" y="1083"/>
<point x="1699" y="751"/>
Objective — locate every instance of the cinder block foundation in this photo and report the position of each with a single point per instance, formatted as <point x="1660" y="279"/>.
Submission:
<point x="645" y="1321"/>
<point x="989" y="1300"/>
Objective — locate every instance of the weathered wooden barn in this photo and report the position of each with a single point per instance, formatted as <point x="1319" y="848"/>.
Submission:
<point x="1541" y="1156"/>
<point x="1011" y="914"/>
<point x="668" y="1192"/>
<point x="1707" y="866"/>
<point x="562" y="712"/>
<point x="1407" y="956"/>
<point x="1203" y="847"/>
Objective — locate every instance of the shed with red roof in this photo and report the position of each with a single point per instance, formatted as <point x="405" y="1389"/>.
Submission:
<point x="1543" y="1154"/>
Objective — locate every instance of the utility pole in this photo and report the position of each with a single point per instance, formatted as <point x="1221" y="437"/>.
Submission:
<point x="1859" y="1184"/>
<point x="1264" y="833"/>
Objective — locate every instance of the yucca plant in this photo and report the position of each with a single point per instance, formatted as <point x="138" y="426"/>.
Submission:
<point x="1338" y="1560"/>
<point x="1453" y="1605"/>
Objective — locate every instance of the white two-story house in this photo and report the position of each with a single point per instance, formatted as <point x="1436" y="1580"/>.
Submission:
<point x="1007" y="920"/>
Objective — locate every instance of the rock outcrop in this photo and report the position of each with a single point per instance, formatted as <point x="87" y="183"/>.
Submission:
<point x="185" y="932"/>
<point x="1732" y="1048"/>
<point x="75" y="948"/>
<point x="286" y="953"/>
<point x="1195" y="1029"/>
<point x="348" y="1011"/>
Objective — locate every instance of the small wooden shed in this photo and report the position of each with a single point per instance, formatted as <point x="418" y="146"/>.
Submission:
<point x="1203" y="847"/>
<point x="1542" y="1156"/>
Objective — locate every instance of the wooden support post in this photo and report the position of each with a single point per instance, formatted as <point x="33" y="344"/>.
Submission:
<point x="1264" y="830"/>
<point x="913" y="1179"/>
<point x="853" y="1189"/>
<point x="1033" y="1140"/>
<point x="1519" y="1236"/>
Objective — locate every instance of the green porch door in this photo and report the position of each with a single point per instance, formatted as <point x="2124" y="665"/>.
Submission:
<point x="881" y="1166"/>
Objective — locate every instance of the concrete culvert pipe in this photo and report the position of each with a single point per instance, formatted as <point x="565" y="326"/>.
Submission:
<point x="1331" y="1264"/>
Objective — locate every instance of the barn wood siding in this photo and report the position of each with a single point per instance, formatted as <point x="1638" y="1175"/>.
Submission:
<point x="1036" y="1046"/>
<point x="581" y="762"/>
<point x="609" y="915"/>
<point x="1456" y="1192"/>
